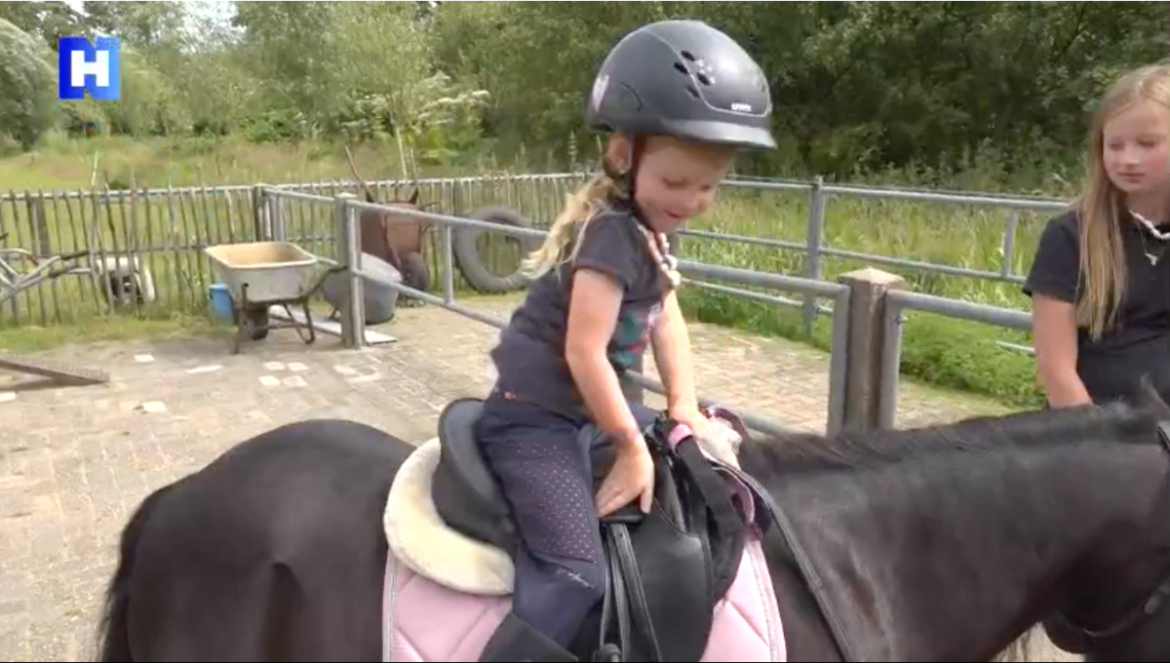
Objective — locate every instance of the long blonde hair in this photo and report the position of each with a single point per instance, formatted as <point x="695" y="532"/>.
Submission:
<point x="1102" y="257"/>
<point x="566" y="229"/>
<point x="580" y="207"/>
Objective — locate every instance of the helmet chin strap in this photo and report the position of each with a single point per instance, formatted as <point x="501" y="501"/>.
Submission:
<point x="624" y="179"/>
<point x="658" y="244"/>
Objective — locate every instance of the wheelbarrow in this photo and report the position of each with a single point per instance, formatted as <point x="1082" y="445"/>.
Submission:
<point x="259" y="275"/>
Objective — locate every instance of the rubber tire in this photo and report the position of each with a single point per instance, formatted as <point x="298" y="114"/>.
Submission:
<point x="463" y="246"/>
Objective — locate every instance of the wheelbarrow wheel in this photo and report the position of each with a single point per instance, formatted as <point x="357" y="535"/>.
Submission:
<point x="256" y="324"/>
<point x="417" y="275"/>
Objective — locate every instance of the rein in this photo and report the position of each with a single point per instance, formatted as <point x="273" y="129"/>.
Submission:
<point x="776" y="515"/>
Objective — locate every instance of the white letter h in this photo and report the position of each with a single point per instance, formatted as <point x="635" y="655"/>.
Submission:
<point x="99" y="68"/>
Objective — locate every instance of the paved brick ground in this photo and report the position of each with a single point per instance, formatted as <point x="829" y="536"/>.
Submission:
<point x="75" y="461"/>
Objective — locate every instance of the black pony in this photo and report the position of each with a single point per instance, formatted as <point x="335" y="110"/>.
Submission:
<point x="942" y="543"/>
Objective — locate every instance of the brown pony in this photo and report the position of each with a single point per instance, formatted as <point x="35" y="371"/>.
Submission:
<point x="395" y="238"/>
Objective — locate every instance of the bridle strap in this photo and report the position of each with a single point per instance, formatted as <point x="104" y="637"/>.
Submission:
<point x="1147" y="609"/>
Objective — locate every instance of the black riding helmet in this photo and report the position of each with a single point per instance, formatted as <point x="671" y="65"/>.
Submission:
<point x="683" y="79"/>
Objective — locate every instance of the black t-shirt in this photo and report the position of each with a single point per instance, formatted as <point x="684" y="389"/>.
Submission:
<point x="530" y="356"/>
<point x="1139" y="342"/>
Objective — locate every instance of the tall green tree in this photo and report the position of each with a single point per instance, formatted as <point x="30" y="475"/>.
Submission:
<point x="48" y="21"/>
<point x="28" y="89"/>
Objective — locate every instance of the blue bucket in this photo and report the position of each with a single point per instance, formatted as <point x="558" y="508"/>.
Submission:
<point x="221" y="301"/>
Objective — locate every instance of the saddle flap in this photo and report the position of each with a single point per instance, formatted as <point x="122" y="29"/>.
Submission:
<point x="465" y="491"/>
<point x="662" y="555"/>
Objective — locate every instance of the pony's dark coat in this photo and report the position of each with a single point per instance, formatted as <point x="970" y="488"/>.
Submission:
<point x="949" y="540"/>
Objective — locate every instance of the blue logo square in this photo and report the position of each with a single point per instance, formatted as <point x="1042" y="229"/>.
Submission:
<point x="84" y="68"/>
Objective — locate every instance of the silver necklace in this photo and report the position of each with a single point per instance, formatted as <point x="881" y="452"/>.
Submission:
<point x="1157" y="234"/>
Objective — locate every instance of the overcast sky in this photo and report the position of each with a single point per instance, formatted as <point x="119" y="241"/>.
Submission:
<point x="218" y="10"/>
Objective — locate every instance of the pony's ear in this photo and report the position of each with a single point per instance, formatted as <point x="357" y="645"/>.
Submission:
<point x="1148" y="396"/>
<point x="414" y="196"/>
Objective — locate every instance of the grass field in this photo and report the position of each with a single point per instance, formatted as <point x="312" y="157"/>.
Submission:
<point x="938" y="350"/>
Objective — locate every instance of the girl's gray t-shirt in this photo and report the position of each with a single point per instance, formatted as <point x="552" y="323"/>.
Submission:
<point x="530" y="356"/>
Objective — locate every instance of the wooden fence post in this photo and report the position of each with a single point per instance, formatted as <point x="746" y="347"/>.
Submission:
<point x="866" y="334"/>
<point x="260" y="224"/>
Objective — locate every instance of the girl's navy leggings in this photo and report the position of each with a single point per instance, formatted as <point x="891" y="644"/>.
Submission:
<point x="546" y="473"/>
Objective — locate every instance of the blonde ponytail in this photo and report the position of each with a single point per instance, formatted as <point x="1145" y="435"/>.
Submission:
<point x="580" y="206"/>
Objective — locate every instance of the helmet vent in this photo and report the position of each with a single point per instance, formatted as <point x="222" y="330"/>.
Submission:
<point x="687" y="55"/>
<point x="701" y="74"/>
<point x="694" y="92"/>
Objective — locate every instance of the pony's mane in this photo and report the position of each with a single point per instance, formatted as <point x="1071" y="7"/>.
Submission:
<point x="1113" y="423"/>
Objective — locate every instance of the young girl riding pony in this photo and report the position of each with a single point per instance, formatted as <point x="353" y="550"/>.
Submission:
<point x="677" y="99"/>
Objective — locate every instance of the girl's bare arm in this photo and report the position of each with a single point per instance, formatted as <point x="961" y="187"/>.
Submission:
<point x="1055" y="337"/>
<point x="593" y="313"/>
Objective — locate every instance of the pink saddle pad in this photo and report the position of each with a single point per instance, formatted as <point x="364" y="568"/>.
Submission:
<point x="424" y="621"/>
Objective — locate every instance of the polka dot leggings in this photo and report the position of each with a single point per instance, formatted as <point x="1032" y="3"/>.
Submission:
<point x="546" y="475"/>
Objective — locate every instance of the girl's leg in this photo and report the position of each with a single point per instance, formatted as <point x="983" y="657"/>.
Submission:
<point x="546" y="476"/>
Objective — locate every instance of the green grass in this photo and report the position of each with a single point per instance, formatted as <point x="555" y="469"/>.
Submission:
<point x="64" y="163"/>
<point x="34" y="338"/>
<point x="937" y="350"/>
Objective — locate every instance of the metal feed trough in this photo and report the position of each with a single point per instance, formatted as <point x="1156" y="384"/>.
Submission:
<point x="259" y="275"/>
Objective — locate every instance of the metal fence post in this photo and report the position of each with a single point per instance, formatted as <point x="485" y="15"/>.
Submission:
<point x="839" y="361"/>
<point x="892" y="319"/>
<point x="353" y="314"/>
<point x="447" y="262"/>
<point x="632" y="390"/>
<point x="815" y="238"/>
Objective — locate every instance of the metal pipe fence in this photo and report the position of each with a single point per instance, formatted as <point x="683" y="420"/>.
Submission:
<point x="899" y="301"/>
<point x="158" y="234"/>
<point x="347" y="208"/>
<point x="843" y="366"/>
<point x="815" y="247"/>
<point x="142" y="249"/>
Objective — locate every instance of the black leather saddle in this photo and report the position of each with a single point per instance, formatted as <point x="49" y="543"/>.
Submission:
<point x="667" y="569"/>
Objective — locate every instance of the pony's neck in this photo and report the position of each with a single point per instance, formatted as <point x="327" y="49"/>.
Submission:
<point x="953" y="554"/>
